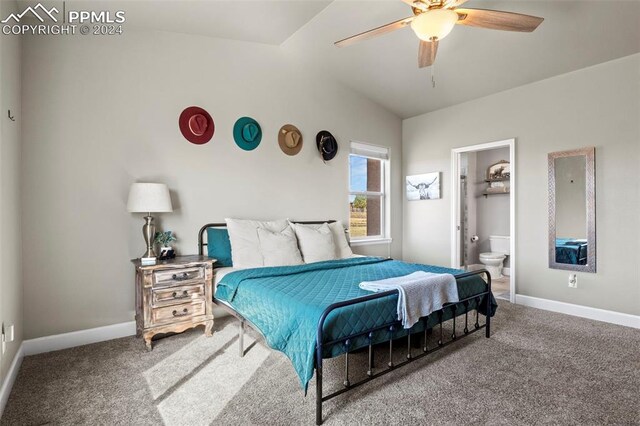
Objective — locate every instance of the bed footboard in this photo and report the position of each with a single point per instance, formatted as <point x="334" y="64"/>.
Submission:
<point x="457" y="309"/>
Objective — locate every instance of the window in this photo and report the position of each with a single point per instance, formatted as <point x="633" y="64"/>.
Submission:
<point x="367" y="203"/>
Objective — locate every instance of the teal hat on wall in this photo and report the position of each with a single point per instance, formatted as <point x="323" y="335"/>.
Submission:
<point x="247" y="133"/>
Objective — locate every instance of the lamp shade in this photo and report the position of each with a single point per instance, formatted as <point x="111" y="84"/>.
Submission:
<point x="149" y="198"/>
<point x="434" y="24"/>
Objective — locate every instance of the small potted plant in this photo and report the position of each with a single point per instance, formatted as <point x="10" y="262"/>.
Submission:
<point x="164" y="240"/>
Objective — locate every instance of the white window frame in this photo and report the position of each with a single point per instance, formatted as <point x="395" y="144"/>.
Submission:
<point x="381" y="154"/>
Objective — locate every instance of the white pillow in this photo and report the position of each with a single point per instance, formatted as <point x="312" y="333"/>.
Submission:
<point x="343" y="251"/>
<point x="245" y="245"/>
<point x="316" y="244"/>
<point x="279" y="248"/>
<point x="340" y="238"/>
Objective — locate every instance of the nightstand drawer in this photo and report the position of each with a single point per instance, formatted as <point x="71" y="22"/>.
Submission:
<point x="177" y="312"/>
<point x="172" y="295"/>
<point x="175" y="277"/>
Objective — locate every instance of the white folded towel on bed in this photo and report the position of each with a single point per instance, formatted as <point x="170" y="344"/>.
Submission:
<point x="420" y="293"/>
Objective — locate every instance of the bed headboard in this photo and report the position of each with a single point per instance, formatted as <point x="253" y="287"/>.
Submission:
<point x="203" y="230"/>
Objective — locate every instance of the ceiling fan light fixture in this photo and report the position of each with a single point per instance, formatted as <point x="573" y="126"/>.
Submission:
<point x="434" y="24"/>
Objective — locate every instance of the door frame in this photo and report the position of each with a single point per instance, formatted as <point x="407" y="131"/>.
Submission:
<point x="455" y="205"/>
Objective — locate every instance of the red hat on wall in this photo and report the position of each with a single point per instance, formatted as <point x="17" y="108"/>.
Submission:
<point x="196" y="125"/>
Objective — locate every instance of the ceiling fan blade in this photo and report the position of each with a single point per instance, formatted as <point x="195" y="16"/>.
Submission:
<point x="427" y="53"/>
<point x="498" y="20"/>
<point x="375" y="32"/>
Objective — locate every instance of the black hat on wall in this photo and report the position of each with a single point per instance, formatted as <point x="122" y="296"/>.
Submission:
<point x="327" y="145"/>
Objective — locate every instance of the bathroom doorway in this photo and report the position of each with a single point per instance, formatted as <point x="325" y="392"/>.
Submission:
<point x="483" y="212"/>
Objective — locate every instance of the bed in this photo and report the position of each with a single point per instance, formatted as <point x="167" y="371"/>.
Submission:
<point x="315" y="311"/>
<point x="571" y="251"/>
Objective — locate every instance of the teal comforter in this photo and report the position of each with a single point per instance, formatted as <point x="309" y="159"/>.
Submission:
<point x="285" y="303"/>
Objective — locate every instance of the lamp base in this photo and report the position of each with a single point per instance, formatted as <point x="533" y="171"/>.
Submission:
<point x="149" y="233"/>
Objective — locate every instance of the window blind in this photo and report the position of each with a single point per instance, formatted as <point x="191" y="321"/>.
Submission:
<point x="371" y="151"/>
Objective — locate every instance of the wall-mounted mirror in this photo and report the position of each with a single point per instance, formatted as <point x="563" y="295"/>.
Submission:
<point x="572" y="210"/>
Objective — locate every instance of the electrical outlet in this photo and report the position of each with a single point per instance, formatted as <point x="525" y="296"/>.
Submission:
<point x="11" y="333"/>
<point x="573" y="281"/>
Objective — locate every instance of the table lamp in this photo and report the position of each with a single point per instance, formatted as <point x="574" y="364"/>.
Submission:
<point x="149" y="198"/>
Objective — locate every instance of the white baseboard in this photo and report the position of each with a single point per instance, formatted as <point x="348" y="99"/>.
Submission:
<point x="57" y="342"/>
<point x="580" y="311"/>
<point x="10" y="379"/>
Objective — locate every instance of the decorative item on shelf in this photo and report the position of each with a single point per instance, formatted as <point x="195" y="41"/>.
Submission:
<point x="423" y="187"/>
<point x="247" y="133"/>
<point x="164" y="240"/>
<point x="497" y="187"/>
<point x="290" y="139"/>
<point x="196" y="125"/>
<point x="149" y="198"/>
<point x="499" y="171"/>
<point x="498" y="176"/>
<point x="327" y="145"/>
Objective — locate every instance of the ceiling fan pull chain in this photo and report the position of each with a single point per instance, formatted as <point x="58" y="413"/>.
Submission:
<point x="433" y="78"/>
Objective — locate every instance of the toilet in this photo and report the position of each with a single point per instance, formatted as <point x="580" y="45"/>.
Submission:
<point x="493" y="260"/>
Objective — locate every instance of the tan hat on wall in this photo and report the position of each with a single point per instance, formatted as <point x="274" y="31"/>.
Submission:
<point x="290" y="139"/>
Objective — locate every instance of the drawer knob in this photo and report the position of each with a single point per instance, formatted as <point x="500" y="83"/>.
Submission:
<point x="184" y="312"/>
<point x="183" y="276"/>
<point x="184" y="294"/>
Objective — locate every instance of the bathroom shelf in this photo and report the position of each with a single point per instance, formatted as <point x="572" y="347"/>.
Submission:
<point x="494" y="193"/>
<point x="497" y="180"/>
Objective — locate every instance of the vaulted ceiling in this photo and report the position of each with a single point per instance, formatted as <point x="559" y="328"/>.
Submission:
<point x="260" y="21"/>
<point x="471" y="62"/>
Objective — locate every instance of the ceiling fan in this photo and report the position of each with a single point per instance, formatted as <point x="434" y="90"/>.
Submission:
<point x="432" y="20"/>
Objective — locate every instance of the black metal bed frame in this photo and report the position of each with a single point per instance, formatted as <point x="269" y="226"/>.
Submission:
<point x="321" y="345"/>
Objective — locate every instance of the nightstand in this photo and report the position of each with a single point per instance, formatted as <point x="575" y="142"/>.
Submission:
<point x="173" y="296"/>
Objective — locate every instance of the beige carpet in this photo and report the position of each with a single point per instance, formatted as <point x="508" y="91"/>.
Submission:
<point x="538" y="368"/>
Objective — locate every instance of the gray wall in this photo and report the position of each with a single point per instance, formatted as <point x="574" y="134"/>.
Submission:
<point x="597" y="106"/>
<point x="104" y="113"/>
<point x="10" y="215"/>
